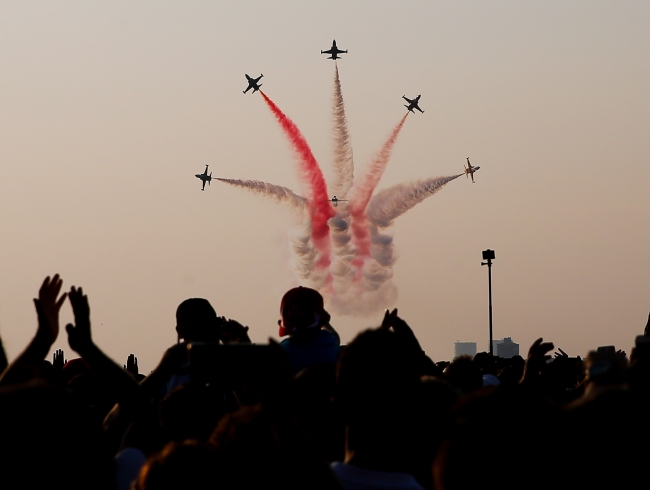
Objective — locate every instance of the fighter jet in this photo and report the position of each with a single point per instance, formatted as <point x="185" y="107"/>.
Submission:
<point x="334" y="51"/>
<point x="412" y="104"/>
<point x="469" y="170"/>
<point x="252" y="83"/>
<point x="335" y="200"/>
<point x="204" y="177"/>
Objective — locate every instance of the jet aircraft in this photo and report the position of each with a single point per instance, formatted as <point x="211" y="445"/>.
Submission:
<point x="335" y="200"/>
<point x="469" y="170"/>
<point x="334" y="51"/>
<point x="412" y="104"/>
<point x="252" y="83"/>
<point x="204" y="177"/>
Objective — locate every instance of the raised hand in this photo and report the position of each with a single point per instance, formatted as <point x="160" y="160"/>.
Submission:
<point x="560" y="355"/>
<point x="132" y="365"/>
<point x="48" y="307"/>
<point x="79" y="334"/>
<point x="391" y="320"/>
<point x="537" y="357"/>
<point x="646" y="330"/>
<point x="27" y="365"/>
<point x="121" y="384"/>
<point x="400" y="327"/>
<point x="58" y="360"/>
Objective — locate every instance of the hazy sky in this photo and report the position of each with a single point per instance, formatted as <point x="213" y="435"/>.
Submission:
<point x="108" y="109"/>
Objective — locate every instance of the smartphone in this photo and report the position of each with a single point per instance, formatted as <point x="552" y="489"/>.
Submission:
<point x="606" y="349"/>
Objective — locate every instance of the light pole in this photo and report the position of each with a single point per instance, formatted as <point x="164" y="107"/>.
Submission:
<point x="489" y="256"/>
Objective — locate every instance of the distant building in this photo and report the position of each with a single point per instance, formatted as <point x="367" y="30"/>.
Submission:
<point x="464" y="349"/>
<point x="506" y="348"/>
<point x="495" y="346"/>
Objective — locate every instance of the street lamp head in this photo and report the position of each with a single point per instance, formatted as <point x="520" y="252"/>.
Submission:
<point x="488" y="254"/>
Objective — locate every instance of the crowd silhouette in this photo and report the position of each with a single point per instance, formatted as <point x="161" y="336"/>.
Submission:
<point x="219" y="412"/>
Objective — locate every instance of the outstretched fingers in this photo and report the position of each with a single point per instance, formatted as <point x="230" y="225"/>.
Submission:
<point x="79" y="334"/>
<point x="48" y="306"/>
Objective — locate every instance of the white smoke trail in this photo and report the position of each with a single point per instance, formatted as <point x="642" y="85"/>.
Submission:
<point x="376" y="290"/>
<point x="341" y="267"/>
<point x="277" y="192"/>
<point x="359" y="301"/>
<point x="393" y="202"/>
<point x="305" y="255"/>
<point x="343" y="157"/>
<point x="382" y="211"/>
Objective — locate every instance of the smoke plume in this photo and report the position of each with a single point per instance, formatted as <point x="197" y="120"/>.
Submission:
<point x="321" y="210"/>
<point x="362" y="193"/>
<point x="276" y="192"/>
<point x="347" y="251"/>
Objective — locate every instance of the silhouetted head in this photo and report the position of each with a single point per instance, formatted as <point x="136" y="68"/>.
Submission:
<point x="378" y="393"/>
<point x="250" y="450"/>
<point x="486" y="363"/>
<point x="302" y="309"/>
<point x="191" y="411"/>
<point x="189" y="465"/>
<point x="464" y="374"/>
<point x="501" y="434"/>
<point x="196" y="321"/>
<point x="49" y="439"/>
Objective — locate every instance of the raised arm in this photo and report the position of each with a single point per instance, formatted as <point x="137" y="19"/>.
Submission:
<point x="405" y="332"/>
<point x="400" y="327"/>
<point x="120" y="383"/>
<point x="538" y="355"/>
<point x="48" y="305"/>
<point x="3" y="358"/>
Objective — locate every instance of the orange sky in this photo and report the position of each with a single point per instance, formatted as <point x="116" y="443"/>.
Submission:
<point x="108" y="111"/>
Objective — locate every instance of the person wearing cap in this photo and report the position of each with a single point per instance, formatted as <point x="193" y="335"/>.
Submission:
<point x="310" y="339"/>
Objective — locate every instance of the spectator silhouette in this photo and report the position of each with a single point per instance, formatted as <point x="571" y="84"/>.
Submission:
<point x="464" y="374"/>
<point x="500" y="435"/>
<point x="311" y="339"/>
<point x="196" y="321"/>
<point x="187" y="466"/>
<point x="377" y="396"/>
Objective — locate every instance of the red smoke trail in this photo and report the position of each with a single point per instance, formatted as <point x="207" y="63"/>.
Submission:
<point x="363" y="192"/>
<point x="320" y="207"/>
